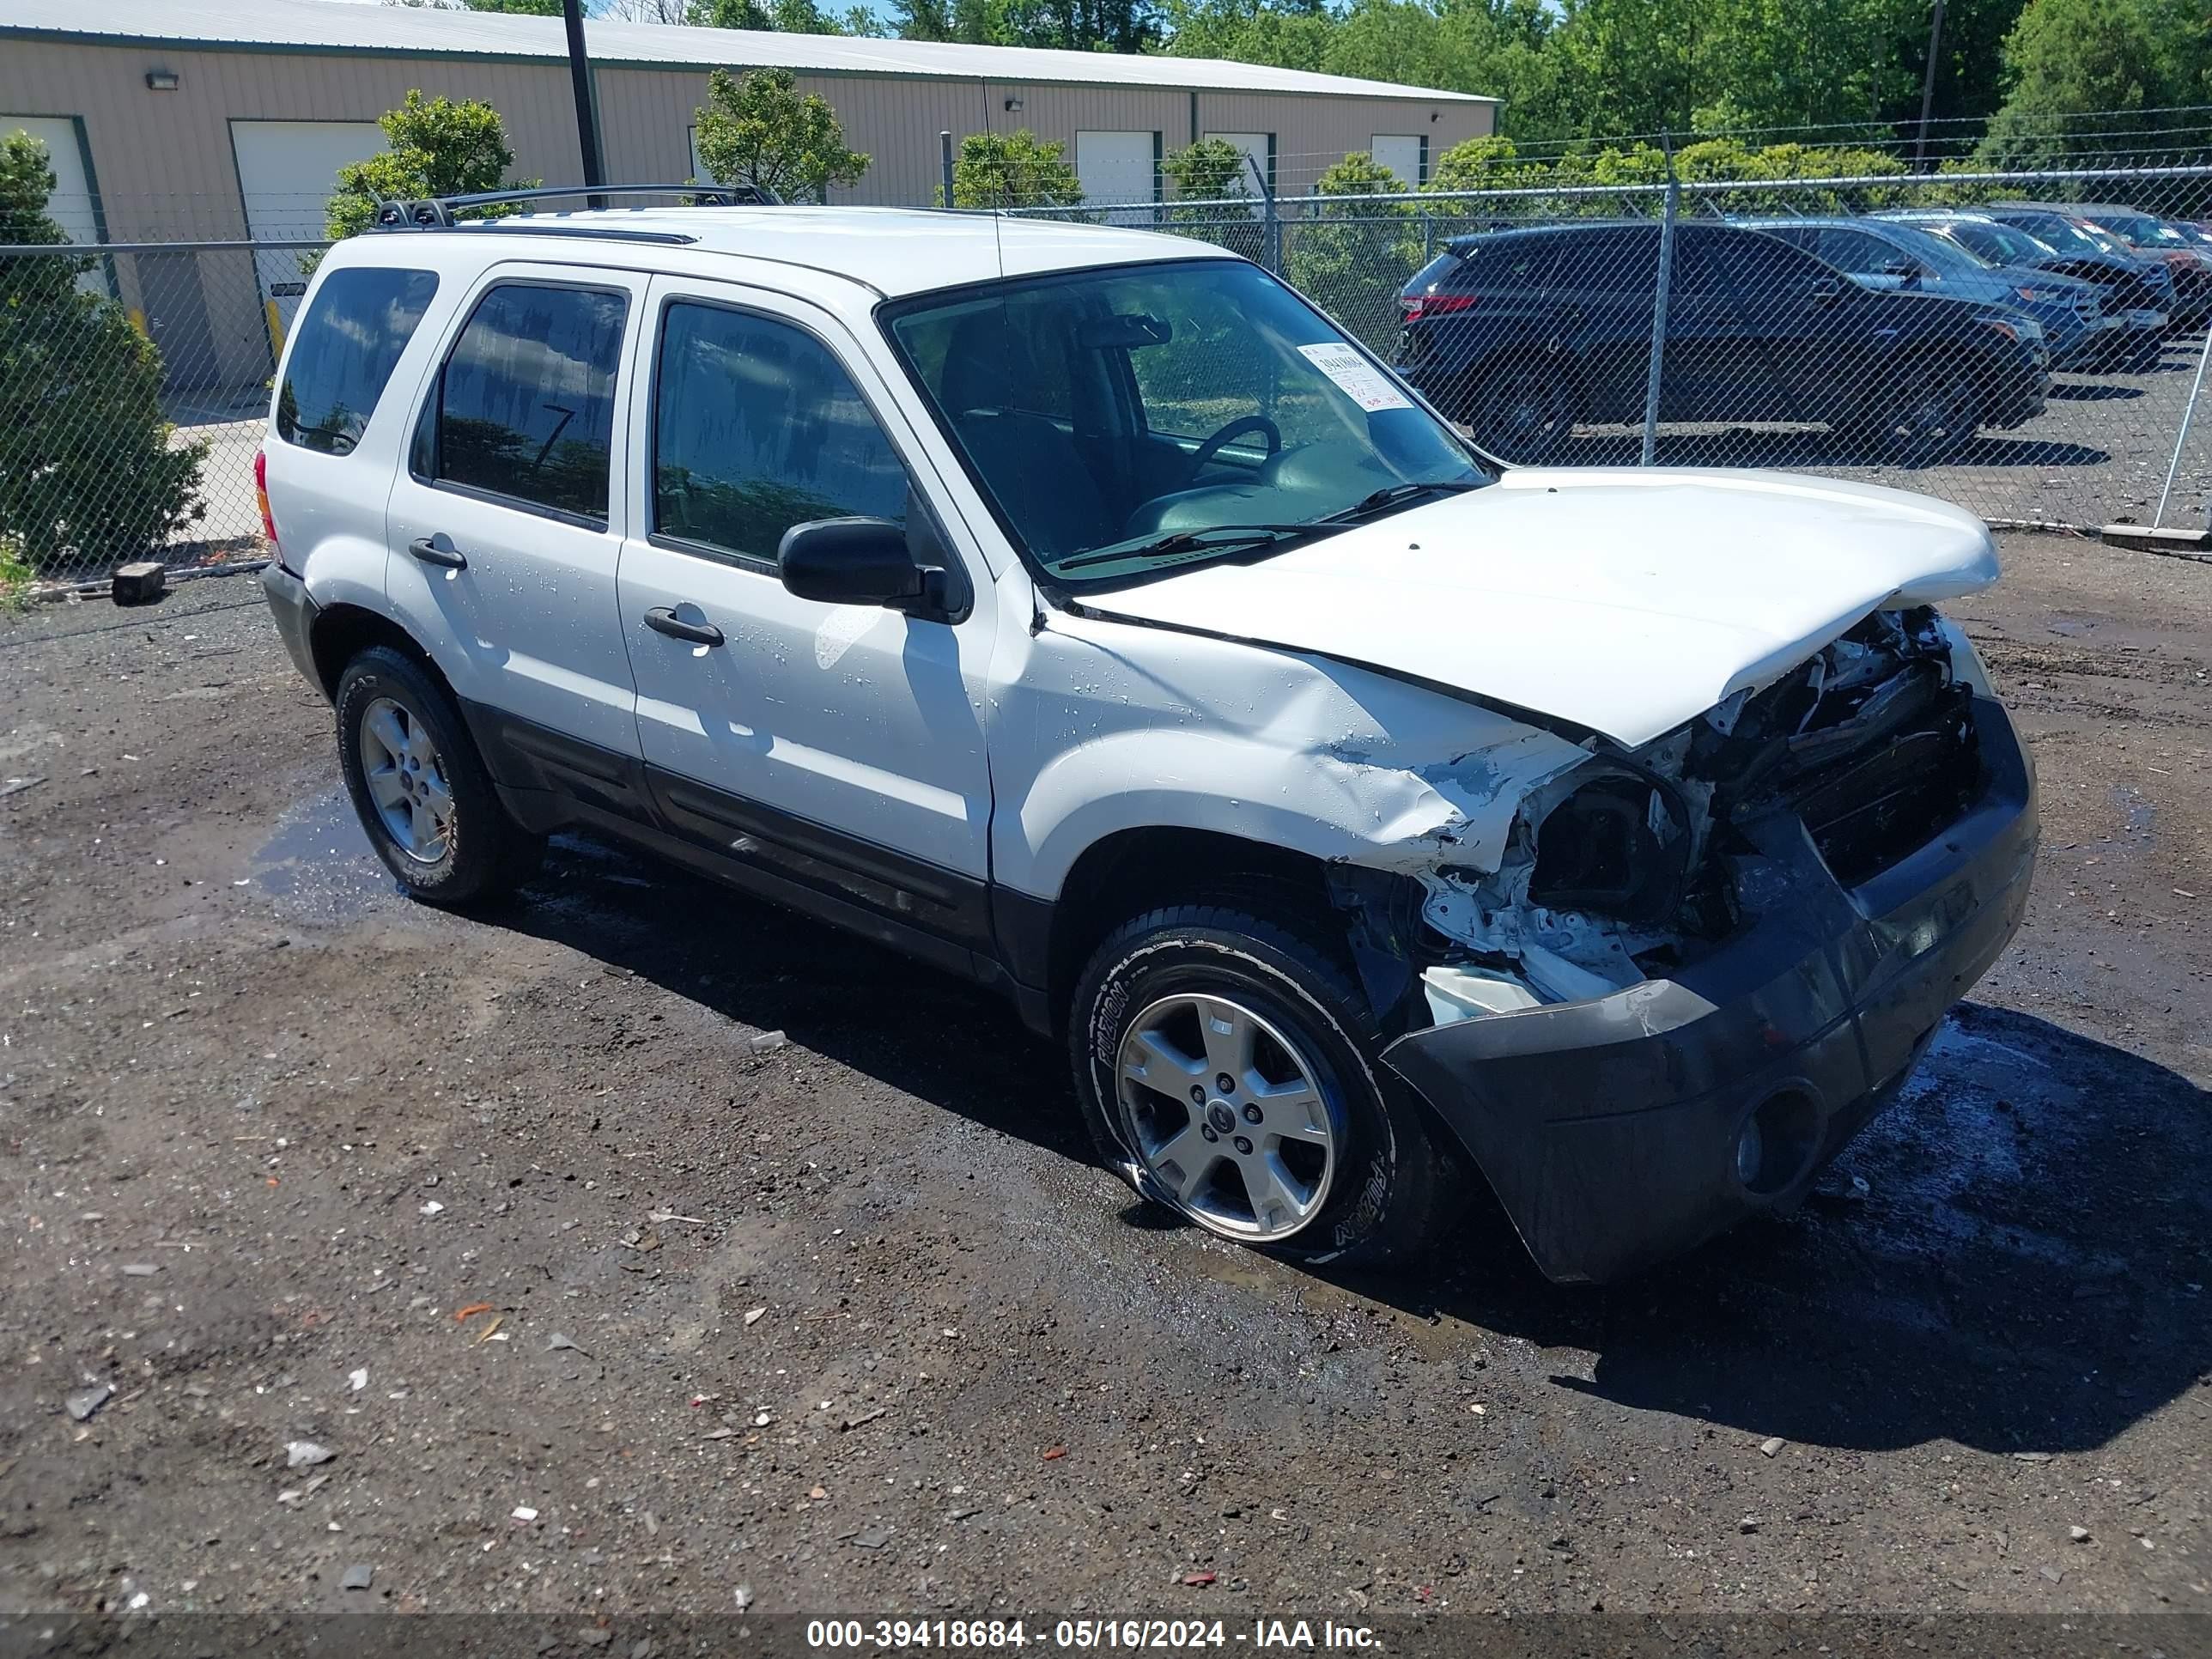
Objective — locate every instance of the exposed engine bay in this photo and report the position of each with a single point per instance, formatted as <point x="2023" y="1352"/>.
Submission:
<point x="1633" y="863"/>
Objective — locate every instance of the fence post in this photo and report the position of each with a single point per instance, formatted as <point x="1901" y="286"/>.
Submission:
<point x="1659" y="306"/>
<point x="2181" y="438"/>
<point x="1270" y="231"/>
<point x="945" y="149"/>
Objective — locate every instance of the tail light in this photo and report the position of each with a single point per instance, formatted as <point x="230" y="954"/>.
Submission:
<point x="1417" y="305"/>
<point x="261" y="501"/>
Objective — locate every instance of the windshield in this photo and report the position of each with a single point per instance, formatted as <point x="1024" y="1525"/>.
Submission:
<point x="2073" y="235"/>
<point x="1948" y="257"/>
<point x="1998" y="244"/>
<point x="2139" y="229"/>
<point x="1128" y="419"/>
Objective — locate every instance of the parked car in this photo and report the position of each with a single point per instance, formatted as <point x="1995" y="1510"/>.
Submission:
<point x="2137" y="297"/>
<point x="1080" y="611"/>
<point x="2152" y="240"/>
<point x="1520" y="334"/>
<point x="1882" y="254"/>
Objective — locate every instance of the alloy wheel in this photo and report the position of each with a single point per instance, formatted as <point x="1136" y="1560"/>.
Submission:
<point x="406" y="779"/>
<point x="1231" y="1120"/>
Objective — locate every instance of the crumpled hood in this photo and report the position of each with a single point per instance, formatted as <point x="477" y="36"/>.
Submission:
<point x="1625" y="601"/>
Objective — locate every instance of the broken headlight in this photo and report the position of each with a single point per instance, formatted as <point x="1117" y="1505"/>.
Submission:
<point x="1619" y="845"/>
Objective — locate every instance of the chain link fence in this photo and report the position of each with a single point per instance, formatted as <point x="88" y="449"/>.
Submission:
<point x="2026" y="344"/>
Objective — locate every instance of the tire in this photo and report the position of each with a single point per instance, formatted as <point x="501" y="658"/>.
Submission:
<point x="400" y="739"/>
<point x="1521" y="409"/>
<point x="1374" y="1194"/>
<point x="1928" y="415"/>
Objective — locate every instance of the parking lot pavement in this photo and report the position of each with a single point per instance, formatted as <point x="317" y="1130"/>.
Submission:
<point x="596" y="1305"/>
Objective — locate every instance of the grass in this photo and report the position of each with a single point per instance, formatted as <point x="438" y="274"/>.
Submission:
<point x="17" y="579"/>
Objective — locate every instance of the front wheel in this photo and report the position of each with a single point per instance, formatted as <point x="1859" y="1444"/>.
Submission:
<point x="419" y="787"/>
<point x="1226" y="1067"/>
<point x="1928" y="416"/>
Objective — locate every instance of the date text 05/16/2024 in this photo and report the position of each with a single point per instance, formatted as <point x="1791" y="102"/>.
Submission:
<point x="891" y="1635"/>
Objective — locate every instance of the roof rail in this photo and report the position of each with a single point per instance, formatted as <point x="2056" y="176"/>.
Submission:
<point x="436" y="212"/>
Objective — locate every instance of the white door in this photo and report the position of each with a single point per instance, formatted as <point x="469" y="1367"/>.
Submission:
<point x="1118" y="168"/>
<point x="73" y="205"/>
<point x="1254" y="148"/>
<point x="503" y="525"/>
<point x="1400" y="153"/>
<point x="287" y="171"/>
<point x="832" y="744"/>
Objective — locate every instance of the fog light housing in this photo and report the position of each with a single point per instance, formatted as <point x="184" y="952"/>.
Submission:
<point x="1777" y="1145"/>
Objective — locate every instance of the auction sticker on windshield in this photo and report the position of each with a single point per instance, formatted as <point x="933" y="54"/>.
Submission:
<point x="1357" y="378"/>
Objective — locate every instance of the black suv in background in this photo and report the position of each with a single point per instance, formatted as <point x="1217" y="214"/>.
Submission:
<point x="1520" y="334"/>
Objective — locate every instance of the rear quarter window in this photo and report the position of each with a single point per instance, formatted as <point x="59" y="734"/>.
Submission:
<point x="343" y="352"/>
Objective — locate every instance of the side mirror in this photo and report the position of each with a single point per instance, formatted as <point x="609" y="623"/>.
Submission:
<point x="850" y="562"/>
<point x="1825" y="289"/>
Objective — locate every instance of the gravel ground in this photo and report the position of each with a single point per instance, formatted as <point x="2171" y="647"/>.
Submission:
<point x="594" y="1305"/>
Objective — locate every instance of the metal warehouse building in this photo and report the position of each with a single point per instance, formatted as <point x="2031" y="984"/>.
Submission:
<point x="169" y="120"/>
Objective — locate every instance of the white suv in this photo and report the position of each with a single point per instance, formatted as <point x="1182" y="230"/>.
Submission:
<point x="1079" y="610"/>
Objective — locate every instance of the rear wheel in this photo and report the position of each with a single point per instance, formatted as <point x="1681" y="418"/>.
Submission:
<point x="1928" y="416"/>
<point x="1521" y="409"/>
<point x="1226" y="1067"/>
<point x="419" y="787"/>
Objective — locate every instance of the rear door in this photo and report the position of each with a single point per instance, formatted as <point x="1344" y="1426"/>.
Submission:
<point x="503" y="553"/>
<point x="837" y="746"/>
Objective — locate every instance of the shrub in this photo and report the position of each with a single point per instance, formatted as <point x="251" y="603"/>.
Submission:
<point x="1351" y="257"/>
<point x="89" y="469"/>
<point x="1012" y="170"/>
<point x="432" y="147"/>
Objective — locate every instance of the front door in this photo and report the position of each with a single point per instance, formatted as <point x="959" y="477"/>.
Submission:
<point x="503" y="554"/>
<point x="837" y="746"/>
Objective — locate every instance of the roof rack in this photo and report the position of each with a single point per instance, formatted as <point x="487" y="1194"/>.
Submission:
<point x="436" y="212"/>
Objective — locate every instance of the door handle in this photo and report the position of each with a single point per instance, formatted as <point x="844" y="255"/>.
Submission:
<point x="430" y="553"/>
<point x="662" y="620"/>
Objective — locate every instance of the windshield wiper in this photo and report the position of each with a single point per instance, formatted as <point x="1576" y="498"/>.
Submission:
<point x="1214" y="537"/>
<point x="1393" y="494"/>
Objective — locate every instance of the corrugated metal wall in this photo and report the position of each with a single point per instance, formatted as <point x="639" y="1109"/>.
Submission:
<point x="165" y="170"/>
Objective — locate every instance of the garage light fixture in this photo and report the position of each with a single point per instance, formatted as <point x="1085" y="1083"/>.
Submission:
<point x="1014" y="105"/>
<point x="161" y="80"/>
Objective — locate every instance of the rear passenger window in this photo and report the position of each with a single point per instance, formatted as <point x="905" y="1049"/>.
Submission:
<point x="526" y="406"/>
<point x="343" y="352"/>
<point x="756" y="427"/>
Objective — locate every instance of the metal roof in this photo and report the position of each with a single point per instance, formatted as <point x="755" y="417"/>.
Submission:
<point x="890" y="250"/>
<point x="327" y="26"/>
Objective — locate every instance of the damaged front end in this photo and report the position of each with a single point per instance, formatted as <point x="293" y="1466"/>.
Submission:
<point x="1692" y="970"/>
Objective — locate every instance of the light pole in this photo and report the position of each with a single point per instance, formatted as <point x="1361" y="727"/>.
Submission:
<point x="587" y="111"/>
<point x="1928" y="87"/>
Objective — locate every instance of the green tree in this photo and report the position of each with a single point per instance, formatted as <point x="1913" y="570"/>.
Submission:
<point x="759" y="129"/>
<point x="782" y="17"/>
<point x="1350" y="257"/>
<point x="1083" y="24"/>
<point x="1290" y="35"/>
<point x="2066" y="56"/>
<point x="432" y="147"/>
<point x="1214" y="171"/>
<point x="1012" y="170"/>
<point x="90" y="468"/>
<point x="519" y="8"/>
<point x="1208" y="170"/>
<point x="972" y="23"/>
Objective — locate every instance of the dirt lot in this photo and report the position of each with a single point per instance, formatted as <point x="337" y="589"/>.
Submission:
<point x="852" y="1325"/>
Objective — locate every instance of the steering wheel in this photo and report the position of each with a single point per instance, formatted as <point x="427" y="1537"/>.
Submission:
<point x="1214" y="445"/>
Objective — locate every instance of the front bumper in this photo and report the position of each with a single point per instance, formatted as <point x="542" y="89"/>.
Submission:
<point x="1608" y="1128"/>
<point x="296" y="615"/>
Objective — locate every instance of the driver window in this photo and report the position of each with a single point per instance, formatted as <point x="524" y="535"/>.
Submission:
<point x="756" y="427"/>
